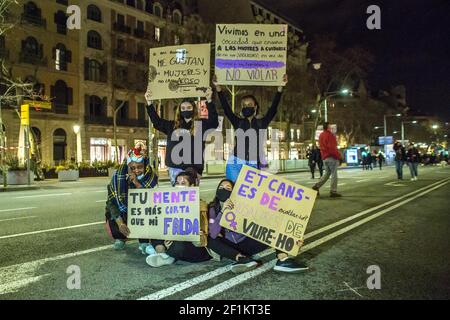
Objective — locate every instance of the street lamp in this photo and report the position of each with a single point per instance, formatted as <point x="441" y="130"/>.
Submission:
<point x="76" y="130"/>
<point x="332" y="94"/>
<point x="403" y="128"/>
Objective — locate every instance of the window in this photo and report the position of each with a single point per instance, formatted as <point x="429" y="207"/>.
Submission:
<point x="157" y="34"/>
<point x="158" y="10"/>
<point x="60" y="20"/>
<point x="32" y="10"/>
<point x="94" y="70"/>
<point x="141" y="111"/>
<point x="62" y="57"/>
<point x="120" y="19"/>
<point x="140" y="4"/>
<point x="292" y="134"/>
<point x="63" y="97"/>
<point x="123" y="112"/>
<point x="140" y="25"/>
<point x="122" y="74"/>
<point x="94" y="13"/>
<point x="120" y="45"/>
<point x="298" y="134"/>
<point x="95" y="107"/>
<point x="94" y="40"/>
<point x="177" y="17"/>
<point x="59" y="146"/>
<point x="131" y="3"/>
<point x="30" y="46"/>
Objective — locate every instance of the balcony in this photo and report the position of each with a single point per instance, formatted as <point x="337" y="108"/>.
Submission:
<point x="32" y="59"/>
<point x="4" y="53"/>
<point x="34" y="20"/>
<point x="139" y="33"/>
<point x="122" y="54"/>
<point x="121" y="28"/>
<point x="102" y="120"/>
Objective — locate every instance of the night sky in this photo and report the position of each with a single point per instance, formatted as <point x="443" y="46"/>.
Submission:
<point x="412" y="47"/>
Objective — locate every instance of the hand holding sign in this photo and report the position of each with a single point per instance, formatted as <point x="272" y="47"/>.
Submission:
<point x="216" y="84"/>
<point x="149" y="96"/>
<point x="208" y="94"/>
<point x="285" y="81"/>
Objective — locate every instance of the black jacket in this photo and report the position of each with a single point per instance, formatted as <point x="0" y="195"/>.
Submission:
<point x="400" y="153"/>
<point x="413" y="155"/>
<point x="245" y="124"/>
<point x="167" y="127"/>
<point x="314" y="156"/>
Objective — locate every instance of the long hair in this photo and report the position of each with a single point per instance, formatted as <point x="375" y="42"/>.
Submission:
<point x="216" y="202"/>
<point x="250" y="96"/>
<point x="191" y="176"/>
<point x="179" y="119"/>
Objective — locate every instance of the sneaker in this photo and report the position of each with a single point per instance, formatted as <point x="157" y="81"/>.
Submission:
<point x="244" y="264"/>
<point x="150" y="250"/>
<point x="290" y="265"/>
<point x="159" y="260"/>
<point x="412" y="179"/>
<point x="335" y="195"/>
<point x="215" y="256"/>
<point x="415" y="178"/>
<point x="119" y="244"/>
<point x="317" y="189"/>
<point x="142" y="247"/>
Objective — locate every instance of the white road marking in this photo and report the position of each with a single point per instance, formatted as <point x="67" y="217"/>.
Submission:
<point x="221" y="287"/>
<point x="50" y="230"/>
<point x="362" y="180"/>
<point x="45" y="195"/>
<point x="18" y="209"/>
<point x="14" y="286"/>
<point x="19" y="218"/>
<point x="395" y="184"/>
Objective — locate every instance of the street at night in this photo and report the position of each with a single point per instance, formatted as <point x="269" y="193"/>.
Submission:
<point x="224" y="158"/>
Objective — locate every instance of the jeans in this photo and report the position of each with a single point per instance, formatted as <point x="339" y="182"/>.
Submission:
<point x="331" y="166"/>
<point x="413" y="168"/>
<point x="234" y="166"/>
<point x="399" y="168"/>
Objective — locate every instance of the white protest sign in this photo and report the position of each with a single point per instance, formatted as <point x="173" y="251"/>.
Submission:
<point x="251" y="54"/>
<point x="164" y="213"/>
<point x="179" y="71"/>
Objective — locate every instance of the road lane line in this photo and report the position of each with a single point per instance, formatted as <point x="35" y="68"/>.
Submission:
<point x="362" y="180"/>
<point x="45" y="195"/>
<point x="50" y="230"/>
<point x="228" y="284"/>
<point x="30" y="217"/>
<point x="204" y="277"/>
<point x="18" y="209"/>
<point x="12" y="287"/>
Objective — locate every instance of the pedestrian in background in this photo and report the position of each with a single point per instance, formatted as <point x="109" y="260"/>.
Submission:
<point x="331" y="159"/>
<point x="400" y="158"/>
<point x="413" y="159"/>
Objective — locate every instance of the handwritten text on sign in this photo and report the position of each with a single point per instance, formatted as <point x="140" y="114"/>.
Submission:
<point x="270" y="209"/>
<point x="165" y="213"/>
<point x="251" y="54"/>
<point x="179" y="71"/>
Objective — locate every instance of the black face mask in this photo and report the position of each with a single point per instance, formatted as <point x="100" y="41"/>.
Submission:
<point x="188" y="114"/>
<point x="248" y="111"/>
<point x="223" y="194"/>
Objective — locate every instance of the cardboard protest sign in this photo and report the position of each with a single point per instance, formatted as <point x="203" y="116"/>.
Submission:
<point x="269" y="209"/>
<point x="179" y="71"/>
<point x="164" y="213"/>
<point x="251" y="54"/>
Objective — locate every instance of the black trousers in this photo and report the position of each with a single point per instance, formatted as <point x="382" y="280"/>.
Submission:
<point x="230" y="250"/>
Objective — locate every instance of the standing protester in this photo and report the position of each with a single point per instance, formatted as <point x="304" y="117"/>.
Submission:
<point x="247" y="120"/>
<point x="400" y="158"/>
<point x="237" y="247"/>
<point x="369" y="160"/>
<point x="135" y="172"/>
<point x="380" y="158"/>
<point x="186" y="120"/>
<point x="331" y="158"/>
<point x="413" y="159"/>
<point x="313" y="159"/>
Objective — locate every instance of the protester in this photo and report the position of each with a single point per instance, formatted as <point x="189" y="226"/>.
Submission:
<point x="331" y="156"/>
<point x="400" y="158"/>
<point x="413" y="159"/>
<point x="170" y="251"/>
<point x="186" y="120"/>
<point x="238" y="247"/>
<point x="380" y="158"/>
<point x="313" y="159"/>
<point x="135" y="172"/>
<point x="247" y="120"/>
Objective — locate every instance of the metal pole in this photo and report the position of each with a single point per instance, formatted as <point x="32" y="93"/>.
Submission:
<point x="27" y="150"/>
<point x="403" y="133"/>
<point x="385" y="129"/>
<point x="2" y="146"/>
<point x="326" y="110"/>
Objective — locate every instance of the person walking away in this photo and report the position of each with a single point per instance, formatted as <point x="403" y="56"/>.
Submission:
<point x="331" y="156"/>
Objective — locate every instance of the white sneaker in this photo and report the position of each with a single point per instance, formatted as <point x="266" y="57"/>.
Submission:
<point x="412" y="179"/>
<point x="159" y="259"/>
<point x="415" y="178"/>
<point x="150" y="250"/>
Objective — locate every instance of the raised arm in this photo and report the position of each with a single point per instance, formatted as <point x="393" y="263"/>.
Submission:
<point x="160" y="124"/>
<point x="234" y="119"/>
<point x="213" y="119"/>
<point x="271" y="113"/>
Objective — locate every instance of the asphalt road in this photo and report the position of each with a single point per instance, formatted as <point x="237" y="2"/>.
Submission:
<point x="400" y="227"/>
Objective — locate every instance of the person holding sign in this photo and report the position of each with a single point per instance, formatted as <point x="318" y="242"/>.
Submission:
<point x="246" y="151"/>
<point x="238" y="247"/>
<point x="186" y="121"/>
<point x="135" y="172"/>
<point x="170" y="251"/>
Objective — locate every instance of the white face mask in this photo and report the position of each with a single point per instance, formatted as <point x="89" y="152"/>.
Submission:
<point x="141" y="176"/>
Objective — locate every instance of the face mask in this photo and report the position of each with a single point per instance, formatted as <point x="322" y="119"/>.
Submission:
<point x="248" y="111"/>
<point x="141" y="176"/>
<point x="187" y="114"/>
<point x="223" y="194"/>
